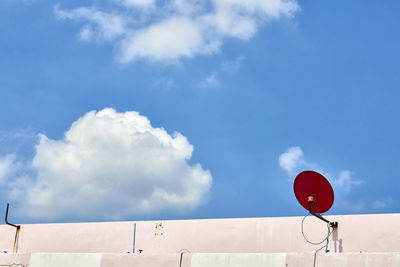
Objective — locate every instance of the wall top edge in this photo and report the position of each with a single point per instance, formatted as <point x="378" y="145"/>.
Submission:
<point x="211" y="219"/>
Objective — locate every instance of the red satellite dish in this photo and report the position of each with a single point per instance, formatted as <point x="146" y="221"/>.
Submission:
<point x="310" y="186"/>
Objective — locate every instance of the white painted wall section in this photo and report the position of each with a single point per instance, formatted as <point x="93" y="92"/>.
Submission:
<point x="142" y="260"/>
<point x="65" y="260"/>
<point x="238" y="260"/>
<point x="14" y="260"/>
<point x="344" y="259"/>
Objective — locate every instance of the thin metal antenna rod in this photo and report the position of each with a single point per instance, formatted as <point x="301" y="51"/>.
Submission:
<point x="16" y="226"/>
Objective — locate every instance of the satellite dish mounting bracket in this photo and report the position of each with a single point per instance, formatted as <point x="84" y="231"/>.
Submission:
<point x="311" y="200"/>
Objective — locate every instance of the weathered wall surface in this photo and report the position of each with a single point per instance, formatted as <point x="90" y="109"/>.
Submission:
<point x="143" y="260"/>
<point x="344" y="259"/>
<point x="65" y="260"/>
<point x="365" y="233"/>
<point x="238" y="260"/>
<point x="296" y="259"/>
<point x="201" y="260"/>
<point x="114" y="237"/>
<point x="14" y="260"/>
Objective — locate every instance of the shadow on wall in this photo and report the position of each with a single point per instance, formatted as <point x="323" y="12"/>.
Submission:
<point x="335" y="235"/>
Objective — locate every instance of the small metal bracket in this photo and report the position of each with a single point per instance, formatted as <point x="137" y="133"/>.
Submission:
<point x="310" y="201"/>
<point x="13" y="225"/>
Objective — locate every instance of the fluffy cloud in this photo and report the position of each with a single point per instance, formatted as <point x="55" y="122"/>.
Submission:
<point x="169" y="30"/>
<point x="100" y="25"/>
<point x="292" y="159"/>
<point x="293" y="162"/>
<point x="167" y="40"/>
<point x="111" y="165"/>
<point x="7" y="165"/>
<point x="240" y="19"/>
<point x="137" y="3"/>
<point x="346" y="181"/>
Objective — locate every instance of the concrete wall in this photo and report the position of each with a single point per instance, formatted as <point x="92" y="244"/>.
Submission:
<point x="360" y="240"/>
<point x="201" y="260"/>
<point x="365" y="233"/>
<point x="296" y="259"/>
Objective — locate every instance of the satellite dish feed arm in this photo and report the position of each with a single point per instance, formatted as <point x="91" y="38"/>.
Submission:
<point x="310" y="201"/>
<point x="16" y="226"/>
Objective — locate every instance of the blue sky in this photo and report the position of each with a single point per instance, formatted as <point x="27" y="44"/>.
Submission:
<point x="259" y="91"/>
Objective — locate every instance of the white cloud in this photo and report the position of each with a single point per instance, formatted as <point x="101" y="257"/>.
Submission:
<point x="101" y="25"/>
<point x="111" y="165"/>
<point x="7" y="166"/>
<point x="170" y="30"/>
<point x="232" y="24"/>
<point x="293" y="162"/>
<point x="167" y="40"/>
<point x="137" y="3"/>
<point x="346" y="181"/>
<point x="241" y="19"/>
<point x="292" y="159"/>
<point x="268" y="8"/>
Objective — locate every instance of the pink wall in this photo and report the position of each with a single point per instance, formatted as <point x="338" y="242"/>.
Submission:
<point x="366" y="233"/>
<point x="76" y="237"/>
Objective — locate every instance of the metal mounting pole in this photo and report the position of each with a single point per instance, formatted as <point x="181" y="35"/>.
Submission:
<point x="16" y="226"/>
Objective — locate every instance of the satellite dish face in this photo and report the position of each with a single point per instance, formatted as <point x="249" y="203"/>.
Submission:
<point x="312" y="184"/>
